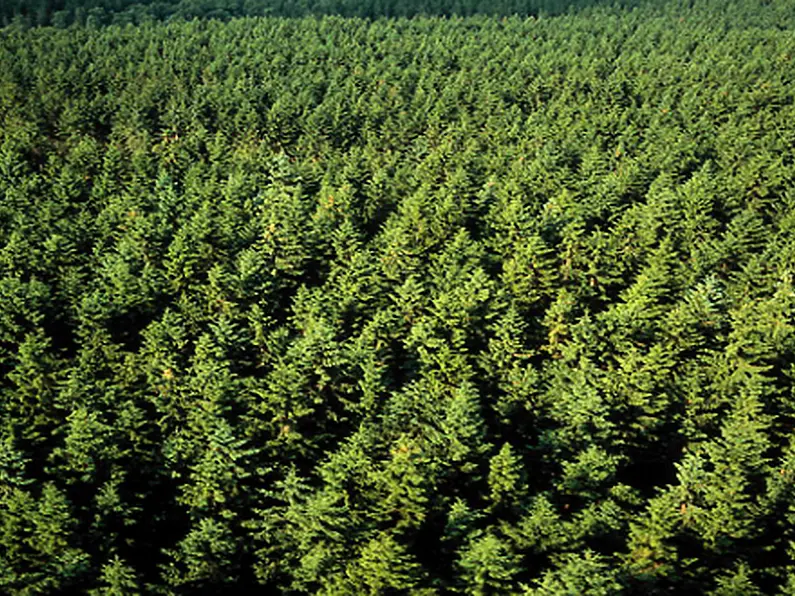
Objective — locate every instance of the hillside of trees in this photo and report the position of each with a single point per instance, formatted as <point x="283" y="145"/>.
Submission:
<point x="432" y="305"/>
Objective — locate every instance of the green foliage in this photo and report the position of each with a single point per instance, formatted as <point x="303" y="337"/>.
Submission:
<point x="118" y="579"/>
<point x="299" y="297"/>
<point x="383" y="566"/>
<point x="39" y="543"/>
<point x="488" y="566"/>
<point x="505" y="476"/>
<point x="586" y="574"/>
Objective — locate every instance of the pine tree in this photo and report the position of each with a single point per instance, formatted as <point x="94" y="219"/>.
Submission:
<point x="488" y="566"/>
<point x="586" y="573"/>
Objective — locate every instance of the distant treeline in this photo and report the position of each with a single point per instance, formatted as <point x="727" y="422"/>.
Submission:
<point x="770" y="14"/>
<point x="101" y="12"/>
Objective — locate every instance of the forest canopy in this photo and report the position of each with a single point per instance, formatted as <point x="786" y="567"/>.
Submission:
<point x="316" y="303"/>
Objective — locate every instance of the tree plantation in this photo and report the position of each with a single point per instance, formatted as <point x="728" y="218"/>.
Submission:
<point x="364" y="297"/>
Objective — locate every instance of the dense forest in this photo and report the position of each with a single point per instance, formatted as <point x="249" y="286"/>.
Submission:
<point x="495" y="299"/>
